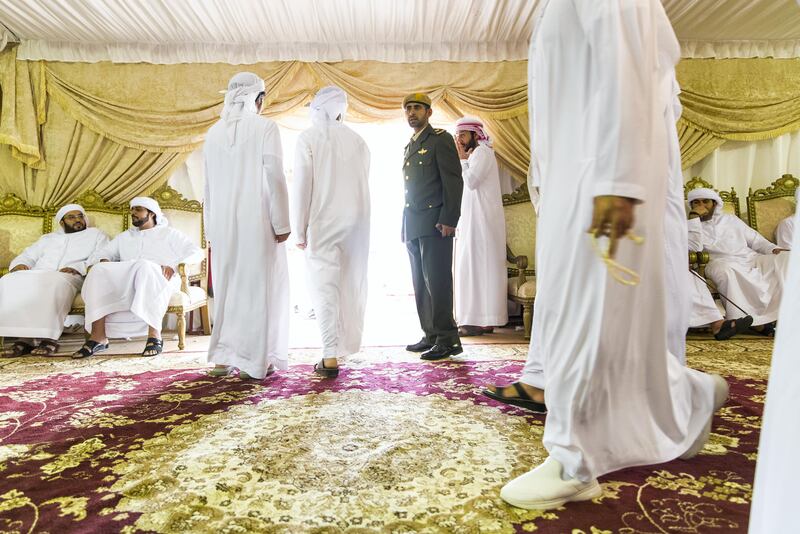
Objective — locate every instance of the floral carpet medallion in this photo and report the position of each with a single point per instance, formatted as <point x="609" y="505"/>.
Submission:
<point x="390" y="446"/>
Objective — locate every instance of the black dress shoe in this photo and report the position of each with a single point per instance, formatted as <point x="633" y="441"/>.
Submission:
<point x="440" y="352"/>
<point x="419" y="346"/>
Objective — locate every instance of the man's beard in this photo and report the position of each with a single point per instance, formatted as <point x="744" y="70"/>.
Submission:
<point x="137" y="222"/>
<point x="72" y="229"/>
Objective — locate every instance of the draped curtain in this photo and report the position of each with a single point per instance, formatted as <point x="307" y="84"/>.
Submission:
<point x="122" y="129"/>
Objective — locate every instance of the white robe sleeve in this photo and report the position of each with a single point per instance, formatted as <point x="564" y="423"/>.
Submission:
<point x="109" y="251"/>
<point x="475" y="169"/>
<point x="620" y="115"/>
<point x="30" y="255"/>
<point x="758" y="242"/>
<point x="784" y="233"/>
<point x="101" y="239"/>
<point x="206" y="196"/>
<point x="302" y="188"/>
<point x="275" y="181"/>
<point x="185" y="251"/>
<point x="695" y="234"/>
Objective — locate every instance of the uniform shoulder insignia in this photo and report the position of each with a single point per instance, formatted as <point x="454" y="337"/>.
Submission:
<point x="439" y="131"/>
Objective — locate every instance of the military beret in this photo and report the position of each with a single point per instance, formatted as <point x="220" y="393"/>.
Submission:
<point x="418" y="98"/>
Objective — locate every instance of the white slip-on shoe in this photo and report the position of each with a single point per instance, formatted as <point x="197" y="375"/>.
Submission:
<point x="543" y="488"/>
<point x="721" y="390"/>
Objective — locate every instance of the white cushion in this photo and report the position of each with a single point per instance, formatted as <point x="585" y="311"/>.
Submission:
<point x="527" y="290"/>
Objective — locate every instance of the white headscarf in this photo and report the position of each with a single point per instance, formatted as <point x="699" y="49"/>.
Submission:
<point x="703" y="193"/>
<point x="474" y="124"/>
<point x="329" y="102"/>
<point x="63" y="211"/>
<point x="152" y="205"/>
<point x="240" y="99"/>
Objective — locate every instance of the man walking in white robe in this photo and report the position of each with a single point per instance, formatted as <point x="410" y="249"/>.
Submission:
<point x="247" y="222"/>
<point x="330" y="219"/>
<point x="744" y="266"/>
<point x="481" y="277"/>
<point x="36" y="296"/>
<point x="778" y="466"/>
<point x="615" y="395"/>
<point x="128" y="289"/>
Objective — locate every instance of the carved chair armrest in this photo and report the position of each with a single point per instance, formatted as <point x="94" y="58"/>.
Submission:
<point x="520" y="261"/>
<point x="184" y="278"/>
<point x="3" y="271"/>
<point x="698" y="258"/>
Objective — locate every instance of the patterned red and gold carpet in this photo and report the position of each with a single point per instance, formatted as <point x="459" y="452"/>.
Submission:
<point x="126" y="444"/>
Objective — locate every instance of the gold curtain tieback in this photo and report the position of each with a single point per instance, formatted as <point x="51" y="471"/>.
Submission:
<point x="618" y="272"/>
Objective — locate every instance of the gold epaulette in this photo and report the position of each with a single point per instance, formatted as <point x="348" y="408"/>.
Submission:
<point x="439" y="131"/>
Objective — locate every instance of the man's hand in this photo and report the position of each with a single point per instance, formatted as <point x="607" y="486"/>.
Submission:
<point x="699" y="211"/>
<point x="20" y="267"/>
<point x="280" y="238"/>
<point x="462" y="154"/>
<point x="302" y="246"/>
<point x="612" y="217"/>
<point x="446" y="231"/>
<point x="167" y="271"/>
<point x="778" y="250"/>
<point x="70" y="270"/>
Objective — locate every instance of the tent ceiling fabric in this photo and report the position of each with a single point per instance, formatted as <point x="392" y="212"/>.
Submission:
<point x="251" y="31"/>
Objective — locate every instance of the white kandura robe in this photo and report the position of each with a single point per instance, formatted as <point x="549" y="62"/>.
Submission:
<point x="481" y="276"/>
<point x="130" y="290"/>
<point x="704" y="309"/>
<point x="615" y="395"/>
<point x="35" y="303"/>
<point x="778" y="465"/>
<point x="742" y="265"/>
<point x="784" y="233"/>
<point x="331" y="213"/>
<point x="246" y="206"/>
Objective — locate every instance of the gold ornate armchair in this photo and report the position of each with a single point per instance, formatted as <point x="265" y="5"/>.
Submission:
<point x="769" y="206"/>
<point x="22" y="225"/>
<point x="520" y="252"/>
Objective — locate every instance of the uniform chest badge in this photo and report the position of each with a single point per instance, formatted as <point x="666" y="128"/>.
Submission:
<point x="422" y="151"/>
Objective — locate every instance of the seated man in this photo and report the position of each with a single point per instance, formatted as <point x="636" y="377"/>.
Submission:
<point x="744" y="266"/>
<point x="36" y="296"/>
<point x="127" y="293"/>
<point x="784" y="233"/>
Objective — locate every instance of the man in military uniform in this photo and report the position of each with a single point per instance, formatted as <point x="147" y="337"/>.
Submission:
<point x="433" y="185"/>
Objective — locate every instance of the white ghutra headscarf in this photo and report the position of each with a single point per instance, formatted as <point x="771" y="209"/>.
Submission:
<point x="329" y="103"/>
<point x="240" y="99"/>
<point x="63" y="211"/>
<point x="152" y="205"/>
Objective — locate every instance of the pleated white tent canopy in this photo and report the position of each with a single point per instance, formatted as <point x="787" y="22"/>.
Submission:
<point x="250" y="31"/>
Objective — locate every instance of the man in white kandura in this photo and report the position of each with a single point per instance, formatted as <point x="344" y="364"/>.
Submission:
<point x="128" y="289"/>
<point x="615" y="395"/>
<point x="330" y="219"/>
<point x="481" y="277"/>
<point x="36" y="296"/>
<point x="247" y="223"/>
<point x="778" y="466"/>
<point x="528" y="391"/>
<point x="784" y="233"/>
<point x="744" y="266"/>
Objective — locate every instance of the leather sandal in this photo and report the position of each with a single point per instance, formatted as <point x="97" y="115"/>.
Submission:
<point x="89" y="348"/>
<point x="153" y="344"/>
<point x="46" y="347"/>
<point x="327" y="372"/>
<point x="18" y="348"/>
<point x="523" y="400"/>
